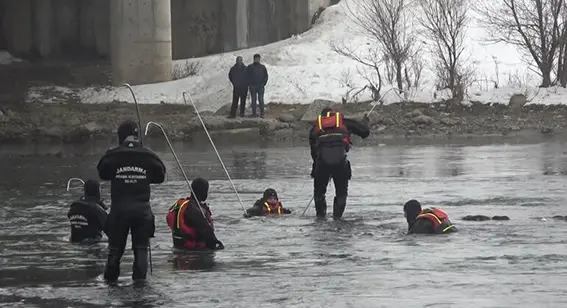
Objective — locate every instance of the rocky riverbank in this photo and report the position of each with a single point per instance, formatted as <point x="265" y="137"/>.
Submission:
<point x="391" y="124"/>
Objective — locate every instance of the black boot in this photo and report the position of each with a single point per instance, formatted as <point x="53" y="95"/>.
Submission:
<point x="112" y="270"/>
<point x="321" y="207"/>
<point x="140" y="267"/>
<point x="339" y="204"/>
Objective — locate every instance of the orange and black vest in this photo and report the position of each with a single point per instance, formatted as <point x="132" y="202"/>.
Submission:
<point x="182" y="233"/>
<point x="438" y="217"/>
<point x="331" y="131"/>
<point x="269" y="209"/>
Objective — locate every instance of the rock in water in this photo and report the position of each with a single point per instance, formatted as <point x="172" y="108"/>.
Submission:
<point x="500" y="218"/>
<point x="475" y="218"/>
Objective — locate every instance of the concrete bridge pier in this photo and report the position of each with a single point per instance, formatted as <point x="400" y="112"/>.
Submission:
<point x="140" y="41"/>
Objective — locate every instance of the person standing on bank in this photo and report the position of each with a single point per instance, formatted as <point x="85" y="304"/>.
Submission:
<point x="239" y="81"/>
<point x="257" y="80"/>
<point x="131" y="168"/>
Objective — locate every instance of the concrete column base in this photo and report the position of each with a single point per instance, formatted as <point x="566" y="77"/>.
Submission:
<point x="140" y="38"/>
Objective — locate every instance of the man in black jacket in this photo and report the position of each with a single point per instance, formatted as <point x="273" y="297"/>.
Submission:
<point x="88" y="215"/>
<point x="239" y="80"/>
<point x="257" y="80"/>
<point x="131" y="168"/>
<point x="329" y="140"/>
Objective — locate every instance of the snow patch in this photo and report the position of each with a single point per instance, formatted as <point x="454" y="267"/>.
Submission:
<point x="304" y="68"/>
<point x="7" y="58"/>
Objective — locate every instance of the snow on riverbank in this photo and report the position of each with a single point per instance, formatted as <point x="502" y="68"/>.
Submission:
<point x="304" y="68"/>
<point x="7" y="58"/>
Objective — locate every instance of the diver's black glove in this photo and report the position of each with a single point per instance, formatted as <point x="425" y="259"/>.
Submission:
<point x="218" y="245"/>
<point x="286" y="211"/>
<point x="366" y="118"/>
<point x="246" y="215"/>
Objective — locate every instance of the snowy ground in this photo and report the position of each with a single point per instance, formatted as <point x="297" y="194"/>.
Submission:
<point x="304" y="68"/>
<point x="7" y="58"/>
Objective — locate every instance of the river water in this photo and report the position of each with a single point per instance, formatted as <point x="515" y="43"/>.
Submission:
<point x="364" y="261"/>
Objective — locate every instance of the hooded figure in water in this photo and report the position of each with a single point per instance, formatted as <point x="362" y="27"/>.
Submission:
<point x="191" y="220"/>
<point x="88" y="215"/>
<point x="427" y="221"/>
<point x="269" y="204"/>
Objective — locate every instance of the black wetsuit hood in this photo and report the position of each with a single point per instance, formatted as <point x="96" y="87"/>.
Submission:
<point x="201" y="188"/>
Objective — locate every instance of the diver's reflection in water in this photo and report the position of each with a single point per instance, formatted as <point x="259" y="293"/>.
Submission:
<point x="94" y="255"/>
<point x="249" y="165"/>
<point x="193" y="260"/>
<point x="451" y="162"/>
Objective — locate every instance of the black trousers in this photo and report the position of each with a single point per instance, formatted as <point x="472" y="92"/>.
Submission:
<point x="341" y="174"/>
<point x="141" y="223"/>
<point x="238" y="94"/>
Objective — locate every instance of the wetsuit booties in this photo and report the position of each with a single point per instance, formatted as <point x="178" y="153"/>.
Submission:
<point x="112" y="271"/>
<point x="140" y="266"/>
<point x="321" y="207"/>
<point x="339" y="204"/>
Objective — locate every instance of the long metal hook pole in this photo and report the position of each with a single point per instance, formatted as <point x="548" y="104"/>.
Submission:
<point x="178" y="163"/>
<point x="214" y="147"/>
<point x="73" y="179"/>
<point x="309" y="204"/>
<point x="137" y="112"/>
<point x="312" y="198"/>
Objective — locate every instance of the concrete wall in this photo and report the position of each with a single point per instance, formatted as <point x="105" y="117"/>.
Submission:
<point x="79" y="28"/>
<point x="195" y="27"/>
<point x="140" y="41"/>
<point x="56" y="27"/>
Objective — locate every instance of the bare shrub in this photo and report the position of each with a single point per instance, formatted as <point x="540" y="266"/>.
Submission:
<point x="185" y="69"/>
<point x="561" y="70"/>
<point x="445" y="23"/>
<point x="371" y="59"/>
<point x="496" y="79"/>
<point x="297" y="85"/>
<point x="534" y="26"/>
<point x="386" y="23"/>
<point x="346" y="81"/>
<point x="414" y="69"/>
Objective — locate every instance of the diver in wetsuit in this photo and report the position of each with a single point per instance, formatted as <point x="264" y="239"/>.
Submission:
<point x="88" y="215"/>
<point x="189" y="228"/>
<point x="269" y="204"/>
<point x="427" y="221"/>
<point x="330" y="142"/>
<point x="131" y="168"/>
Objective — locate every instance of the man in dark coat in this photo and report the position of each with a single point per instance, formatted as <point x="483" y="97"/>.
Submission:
<point x="239" y="80"/>
<point x="257" y="80"/>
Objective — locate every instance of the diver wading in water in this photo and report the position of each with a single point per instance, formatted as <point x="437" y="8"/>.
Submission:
<point x="329" y="140"/>
<point x="131" y="168"/>
<point x="87" y="215"/>
<point x="190" y="229"/>
<point x="427" y="221"/>
<point x="269" y="204"/>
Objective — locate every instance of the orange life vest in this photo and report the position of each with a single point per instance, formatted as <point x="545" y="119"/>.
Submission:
<point x="272" y="209"/>
<point x="438" y="217"/>
<point x="182" y="233"/>
<point x="330" y="129"/>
